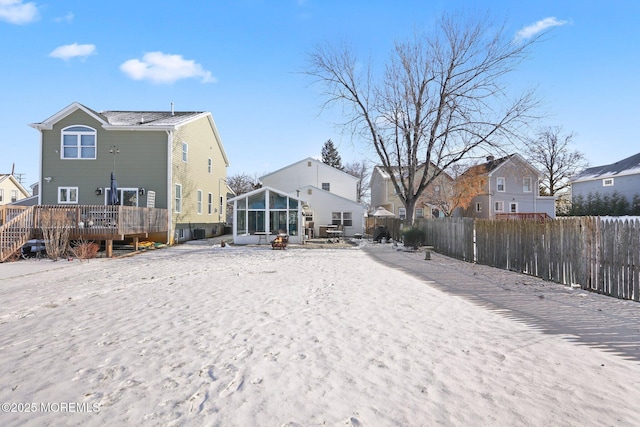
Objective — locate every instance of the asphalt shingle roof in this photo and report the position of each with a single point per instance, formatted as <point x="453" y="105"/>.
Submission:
<point x="630" y="165"/>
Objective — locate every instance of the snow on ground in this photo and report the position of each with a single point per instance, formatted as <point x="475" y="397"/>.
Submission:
<point x="248" y="336"/>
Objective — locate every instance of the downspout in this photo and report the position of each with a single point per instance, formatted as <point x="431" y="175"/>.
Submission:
<point x="535" y="198"/>
<point x="40" y="187"/>
<point x="169" y="186"/>
<point x="491" y="213"/>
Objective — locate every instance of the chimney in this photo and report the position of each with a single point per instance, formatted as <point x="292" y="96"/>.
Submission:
<point x="490" y="159"/>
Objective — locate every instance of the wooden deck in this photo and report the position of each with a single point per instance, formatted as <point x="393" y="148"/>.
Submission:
<point x="18" y="224"/>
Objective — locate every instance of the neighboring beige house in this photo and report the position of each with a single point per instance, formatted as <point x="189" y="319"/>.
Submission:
<point x="162" y="159"/>
<point x="330" y="195"/>
<point x="434" y="202"/>
<point x="11" y="191"/>
<point x="508" y="186"/>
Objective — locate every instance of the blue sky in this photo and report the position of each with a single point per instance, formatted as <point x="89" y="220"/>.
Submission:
<point x="241" y="60"/>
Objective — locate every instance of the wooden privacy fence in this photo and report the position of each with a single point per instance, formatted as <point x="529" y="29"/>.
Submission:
<point x="593" y="253"/>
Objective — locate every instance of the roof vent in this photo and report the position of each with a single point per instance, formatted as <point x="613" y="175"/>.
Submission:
<point x="141" y="120"/>
<point x="172" y="113"/>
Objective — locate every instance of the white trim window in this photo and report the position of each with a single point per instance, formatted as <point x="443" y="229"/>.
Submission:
<point x="185" y="152"/>
<point x="607" y="182"/>
<point x="501" y="184"/>
<point x="200" y="202"/>
<point x="178" y="198"/>
<point x="14" y="196"/>
<point x="513" y="207"/>
<point x="342" y="218"/>
<point x="78" y="142"/>
<point x="498" y="206"/>
<point x="210" y="203"/>
<point x="67" y="195"/>
<point x="419" y="212"/>
<point x="1" y="194"/>
<point x="402" y="213"/>
<point x="526" y="184"/>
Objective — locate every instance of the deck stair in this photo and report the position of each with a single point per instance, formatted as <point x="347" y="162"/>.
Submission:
<point x="15" y="232"/>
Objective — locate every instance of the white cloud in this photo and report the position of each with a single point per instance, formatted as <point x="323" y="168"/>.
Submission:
<point x="66" y="18"/>
<point x="17" y="12"/>
<point x="538" y="27"/>
<point x="69" y="51"/>
<point x="159" y="67"/>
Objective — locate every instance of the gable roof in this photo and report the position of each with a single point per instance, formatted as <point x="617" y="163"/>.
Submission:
<point x="16" y="183"/>
<point x="491" y="165"/>
<point x="136" y="120"/>
<point x="262" y="189"/>
<point x="309" y="159"/>
<point x="385" y="175"/>
<point x="628" y="166"/>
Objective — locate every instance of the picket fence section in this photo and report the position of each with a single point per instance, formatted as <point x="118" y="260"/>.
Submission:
<point x="596" y="254"/>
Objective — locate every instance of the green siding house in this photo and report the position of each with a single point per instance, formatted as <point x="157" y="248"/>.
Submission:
<point x="161" y="159"/>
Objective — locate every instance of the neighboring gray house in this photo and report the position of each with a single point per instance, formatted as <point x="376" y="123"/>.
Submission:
<point x="622" y="177"/>
<point x="508" y="186"/>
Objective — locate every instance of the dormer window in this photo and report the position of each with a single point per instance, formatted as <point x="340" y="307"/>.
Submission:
<point x="78" y="142"/>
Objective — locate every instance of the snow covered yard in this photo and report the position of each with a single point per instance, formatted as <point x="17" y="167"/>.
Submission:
<point x="239" y="336"/>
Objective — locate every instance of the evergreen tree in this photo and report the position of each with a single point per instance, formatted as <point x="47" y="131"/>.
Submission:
<point x="330" y="155"/>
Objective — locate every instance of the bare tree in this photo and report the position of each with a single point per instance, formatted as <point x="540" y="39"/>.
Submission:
<point x="441" y="99"/>
<point x="550" y="151"/>
<point x="242" y="183"/>
<point x="360" y="171"/>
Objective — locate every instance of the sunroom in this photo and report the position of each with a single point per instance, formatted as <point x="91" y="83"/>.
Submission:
<point x="260" y="215"/>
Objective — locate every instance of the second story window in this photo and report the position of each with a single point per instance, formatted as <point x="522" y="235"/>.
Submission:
<point x="326" y="186"/>
<point x="210" y="166"/>
<point x="200" y="202"/>
<point x="607" y="182"/>
<point x="185" y="152"/>
<point x="526" y="184"/>
<point x="78" y="142"/>
<point x="500" y="184"/>
<point x="14" y="196"/>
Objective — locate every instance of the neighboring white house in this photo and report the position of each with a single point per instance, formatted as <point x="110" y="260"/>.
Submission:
<point x="330" y="194"/>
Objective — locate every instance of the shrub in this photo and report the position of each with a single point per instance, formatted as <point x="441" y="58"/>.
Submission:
<point x="83" y="249"/>
<point x="414" y="237"/>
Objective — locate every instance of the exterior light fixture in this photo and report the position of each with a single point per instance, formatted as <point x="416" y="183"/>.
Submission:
<point x="141" y="191"/>
<point x="98" y="191"/>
